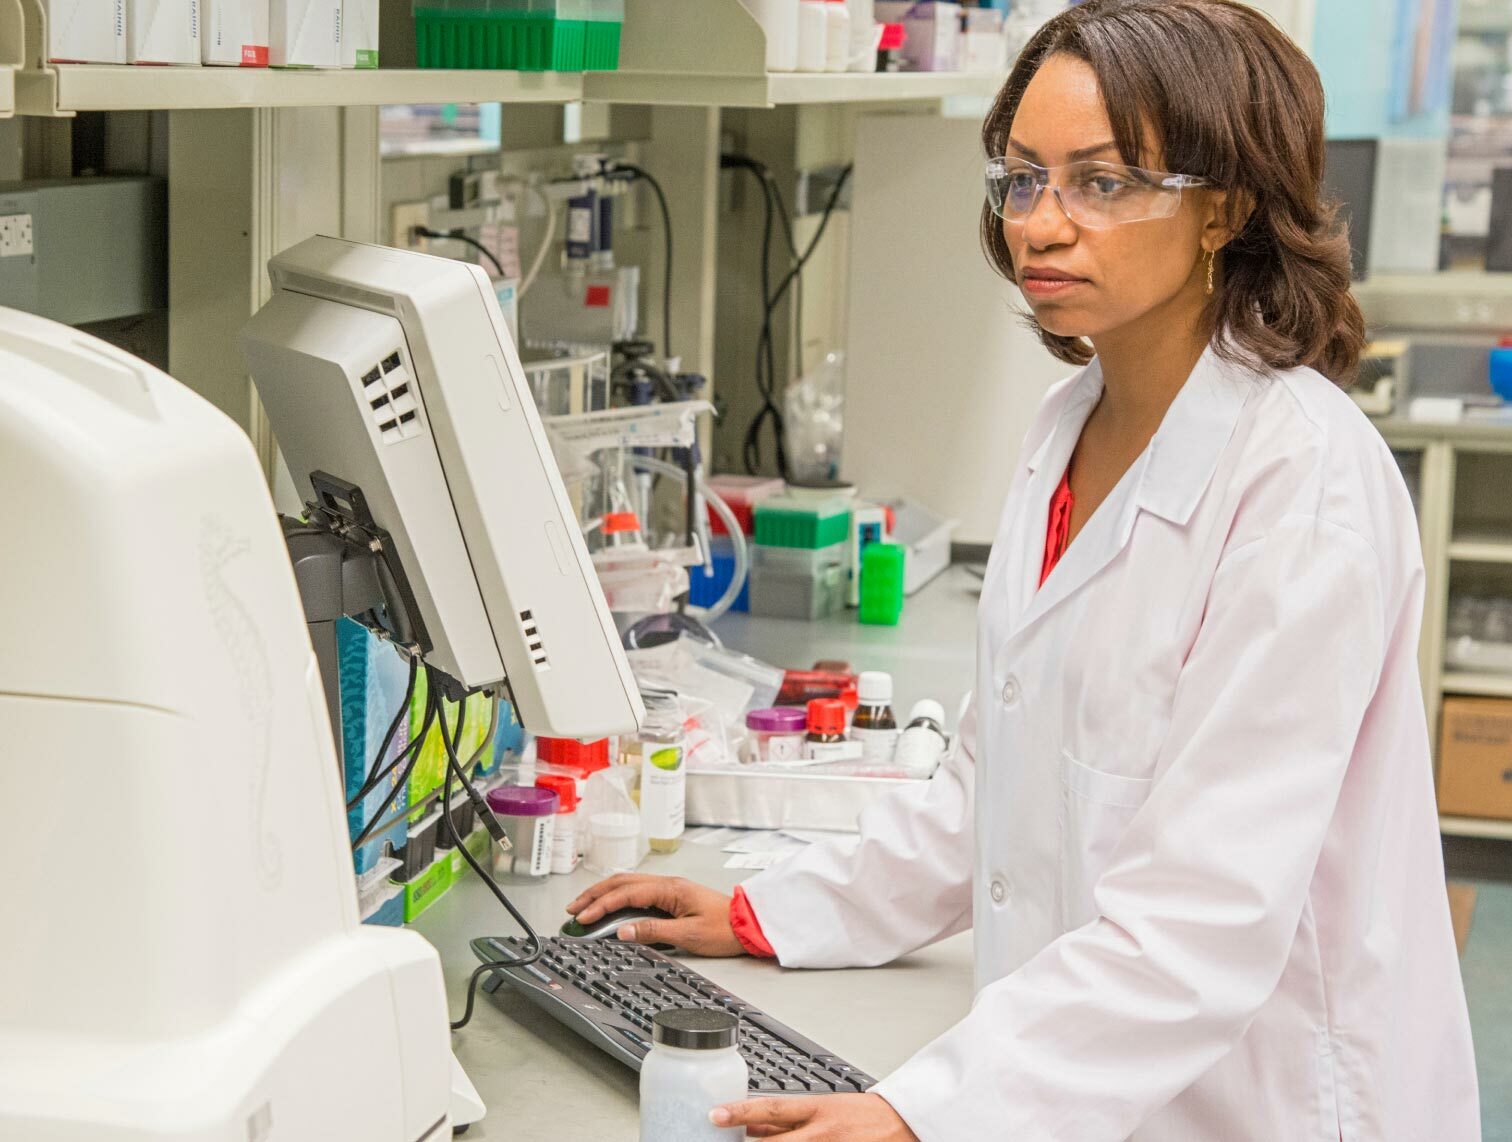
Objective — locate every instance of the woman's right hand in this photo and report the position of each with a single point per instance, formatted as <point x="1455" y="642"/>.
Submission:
<point x="701" y="916"/>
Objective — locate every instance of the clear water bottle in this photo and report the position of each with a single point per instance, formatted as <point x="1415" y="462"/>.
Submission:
<point x="694" y="1065"/>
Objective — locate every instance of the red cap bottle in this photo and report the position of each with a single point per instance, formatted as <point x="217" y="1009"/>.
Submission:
<point x="826" y="719"/>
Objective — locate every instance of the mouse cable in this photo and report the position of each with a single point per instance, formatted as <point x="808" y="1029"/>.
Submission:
<point x="454" y="769"/>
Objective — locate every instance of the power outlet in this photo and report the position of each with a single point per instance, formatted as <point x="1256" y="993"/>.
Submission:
<point x="404" y="219"/>
<point x="16" y="236"/>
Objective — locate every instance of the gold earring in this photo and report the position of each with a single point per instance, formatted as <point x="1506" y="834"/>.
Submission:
<point x="1211" y="255"/>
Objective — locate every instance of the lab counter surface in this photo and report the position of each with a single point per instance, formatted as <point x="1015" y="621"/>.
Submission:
<point x="543" y="1083"/>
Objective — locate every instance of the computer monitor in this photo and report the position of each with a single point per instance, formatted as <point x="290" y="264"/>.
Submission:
<point x="1349" y="175"/>
<point x="393" y="371"/>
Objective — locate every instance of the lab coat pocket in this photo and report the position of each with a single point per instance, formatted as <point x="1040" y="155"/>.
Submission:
<point x="1096" y="808"/>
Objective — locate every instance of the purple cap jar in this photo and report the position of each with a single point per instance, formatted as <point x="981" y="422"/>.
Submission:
<point x="528" y="814"/>
<point x="777" y="734"/>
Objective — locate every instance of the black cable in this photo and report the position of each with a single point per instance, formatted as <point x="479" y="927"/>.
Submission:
<point x="379" y="771"/>
<point x="774" y="193"/>
<point x="432" y="706"/>
<point x="454" y="768"/>
<point x="766" y="365"/>
<point x="661" y="201"/>
<point x="829" y="210"/>
<point x="458" y="236"/>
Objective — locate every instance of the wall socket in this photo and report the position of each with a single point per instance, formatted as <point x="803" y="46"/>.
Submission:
<point x="16" y="236"/>
<point x="404" y="218"/>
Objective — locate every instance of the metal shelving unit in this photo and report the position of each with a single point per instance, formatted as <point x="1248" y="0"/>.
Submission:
<point x="1478" y="685"/>
<point x="69" y="88"/>
<point x="1481" y="547"/>
<point x="1475" y="827"/>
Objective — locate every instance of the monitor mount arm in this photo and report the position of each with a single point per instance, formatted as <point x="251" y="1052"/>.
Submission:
<point x="347" y="566"/>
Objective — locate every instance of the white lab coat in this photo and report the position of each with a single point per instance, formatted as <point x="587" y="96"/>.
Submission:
<point x="1195" y="830"/>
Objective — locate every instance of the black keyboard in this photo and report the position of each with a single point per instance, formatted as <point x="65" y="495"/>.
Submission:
<point x="609" y="990"/>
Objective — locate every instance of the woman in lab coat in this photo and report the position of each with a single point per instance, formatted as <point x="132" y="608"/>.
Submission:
<point x="1191" y="821"/>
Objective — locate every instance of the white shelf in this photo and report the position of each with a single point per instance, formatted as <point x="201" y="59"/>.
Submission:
<point x="1485" y="685"/>
<point x="1475" y="827"/>
<point x="712" y="53"/>
<point x="68" y="88"/>
<point x="7" y="93"/>
<point x="1481" y="547"/>
<point x="775" y="89"/>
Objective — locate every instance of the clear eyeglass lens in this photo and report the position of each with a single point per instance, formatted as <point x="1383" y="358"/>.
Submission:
<point x="1094" y="194"/>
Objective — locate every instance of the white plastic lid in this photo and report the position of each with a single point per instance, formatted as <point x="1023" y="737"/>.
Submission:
<point x="928" y="708"/>
<point x="874" y="688"/>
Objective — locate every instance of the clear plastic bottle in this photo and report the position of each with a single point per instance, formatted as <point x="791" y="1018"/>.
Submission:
<point x="874" y="725"/>
<point x="663" y="778"/>
<point x="693" y="1066"/>
<point x="922" y="743"/>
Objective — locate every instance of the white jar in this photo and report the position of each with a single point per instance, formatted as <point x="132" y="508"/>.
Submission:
<point x="779" y="20"/>
<point x="923" y="743"/>
<point x="813" y="28"/>
<point x="836" y="36"/>
<point x="693" y="1066"/>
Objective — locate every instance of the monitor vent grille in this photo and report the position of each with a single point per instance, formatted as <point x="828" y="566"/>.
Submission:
<point x="534" y="641"/>
<point x="389" y="391"/>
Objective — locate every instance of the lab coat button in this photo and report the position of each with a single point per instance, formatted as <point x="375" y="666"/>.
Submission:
<point x="999" y="891"/>
<point x="1010" y="691"/>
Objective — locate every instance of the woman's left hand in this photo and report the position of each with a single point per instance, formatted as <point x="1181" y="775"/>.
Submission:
<point x="828" y="1118"/>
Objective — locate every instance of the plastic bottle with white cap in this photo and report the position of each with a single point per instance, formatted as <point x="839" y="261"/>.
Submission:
<point x="694" y="1065"/>
<point x="923" y="742"/>
<point x="874" y="725"/>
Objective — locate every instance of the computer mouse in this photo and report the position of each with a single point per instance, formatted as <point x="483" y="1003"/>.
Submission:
<point x="610" y="923"/>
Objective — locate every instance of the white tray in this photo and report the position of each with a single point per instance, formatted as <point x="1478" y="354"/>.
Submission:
<point x="749" y="799"/>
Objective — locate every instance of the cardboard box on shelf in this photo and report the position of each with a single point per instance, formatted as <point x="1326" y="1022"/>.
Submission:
<point x="1475" y="758"/>
<point x="163" y="32"/>
<point x="236" y="33"/>
<point x="86" y="31"/>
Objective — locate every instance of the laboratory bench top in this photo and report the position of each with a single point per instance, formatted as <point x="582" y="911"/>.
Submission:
<point x="543" y="1082"/>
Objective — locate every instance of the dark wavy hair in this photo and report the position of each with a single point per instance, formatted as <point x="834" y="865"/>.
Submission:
<point x="1233" y="100"/>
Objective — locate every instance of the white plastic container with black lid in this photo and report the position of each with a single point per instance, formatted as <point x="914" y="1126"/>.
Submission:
<point x="693" y="1066"/>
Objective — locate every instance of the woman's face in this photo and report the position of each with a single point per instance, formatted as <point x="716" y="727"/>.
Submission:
<point x="1080" y="281"/>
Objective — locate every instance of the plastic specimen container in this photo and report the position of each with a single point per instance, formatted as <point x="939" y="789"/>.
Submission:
<point x="777" y="733"/>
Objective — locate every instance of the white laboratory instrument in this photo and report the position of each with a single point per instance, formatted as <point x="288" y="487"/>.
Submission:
<point x="182" y="958"/>
<point x="393" y="371"/>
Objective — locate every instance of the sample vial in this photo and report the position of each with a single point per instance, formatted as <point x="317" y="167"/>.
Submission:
<point x="874" y="725"/>
<point x="564" y="836"/>
<point x="922" y="743"/>
<point x="693" y="1066"/>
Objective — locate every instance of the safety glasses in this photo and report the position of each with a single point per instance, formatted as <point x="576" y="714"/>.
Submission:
<point x="1093" y="194"/>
